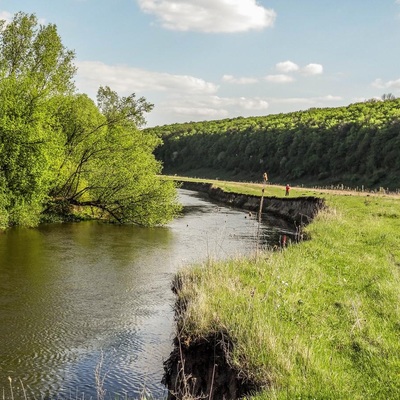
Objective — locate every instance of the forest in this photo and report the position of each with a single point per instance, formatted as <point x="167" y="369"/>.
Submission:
<point x="59" y="151"/>
<point x="357" y="146"/>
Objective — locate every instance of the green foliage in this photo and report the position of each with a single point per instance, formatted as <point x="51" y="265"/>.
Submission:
<point x="33" y="67"/>
<point x="355" y="145"/>
<point x="108" y="162"/>
<point x="319" y="320"/>
<point x="59" y="151"/>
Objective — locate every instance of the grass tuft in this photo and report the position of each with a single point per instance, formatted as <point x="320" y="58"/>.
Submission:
<point x="318" y="320"/>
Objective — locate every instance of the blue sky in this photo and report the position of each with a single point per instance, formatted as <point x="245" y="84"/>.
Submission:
<point x="200" y="60"/>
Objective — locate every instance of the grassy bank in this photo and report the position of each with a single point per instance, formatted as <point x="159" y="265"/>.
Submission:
<point x="320" y="320"/>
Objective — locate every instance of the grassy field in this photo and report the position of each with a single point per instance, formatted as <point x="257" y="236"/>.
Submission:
<point x="319" y="320"/>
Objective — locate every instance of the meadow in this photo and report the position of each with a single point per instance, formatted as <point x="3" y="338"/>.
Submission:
<point x="317" y="320"/>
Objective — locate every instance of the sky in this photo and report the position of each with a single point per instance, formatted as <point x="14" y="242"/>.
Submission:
<point x="198" y="60"/>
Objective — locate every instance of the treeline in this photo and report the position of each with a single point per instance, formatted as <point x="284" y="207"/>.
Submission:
<point x="354" y="145"/>
<point x="59" y="151"/>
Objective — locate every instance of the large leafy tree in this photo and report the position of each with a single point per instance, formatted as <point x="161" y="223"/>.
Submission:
<point x="34" y="66"/>
<point x="108" y="162"/>
<point x="58" y="149"/>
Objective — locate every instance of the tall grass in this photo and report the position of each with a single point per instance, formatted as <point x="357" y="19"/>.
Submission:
<point x="320" y="320"/>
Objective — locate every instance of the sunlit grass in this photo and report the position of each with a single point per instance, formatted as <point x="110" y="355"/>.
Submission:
<point x="318" y="320"/>
<point x="270" y="189"/>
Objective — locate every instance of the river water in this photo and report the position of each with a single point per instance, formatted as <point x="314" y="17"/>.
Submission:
<point x="74" y="297"/>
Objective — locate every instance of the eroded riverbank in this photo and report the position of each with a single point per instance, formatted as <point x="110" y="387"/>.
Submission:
<point x="202" y="365"/>
<point x="300" y="210"/>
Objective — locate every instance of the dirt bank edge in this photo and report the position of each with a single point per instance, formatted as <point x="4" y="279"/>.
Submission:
<point x="300" y="210"/>
<point x="201" y="367"/>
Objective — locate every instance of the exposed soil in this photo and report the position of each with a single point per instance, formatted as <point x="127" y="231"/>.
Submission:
<point x="201" y="370"/>
<point x="300" y="210"/>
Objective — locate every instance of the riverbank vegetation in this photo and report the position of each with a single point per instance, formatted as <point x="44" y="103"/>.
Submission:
<point x="318" y="320"/>
<point x="357" y="145"/>
<point x="59" y="151"/>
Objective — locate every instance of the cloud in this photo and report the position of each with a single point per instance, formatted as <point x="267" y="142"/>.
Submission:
<point x="213" y="106"/>
<point x="205" y="107"/>
<point x="287" y="66"/>
<point x="312" y="69"/>
<point x="7" y="16"/>
<point x="182" y="98"/>
<point x="329" y="97"/>
<point x="178" y="98"/>
<point x="239" y="81"/>
<point x="280" y="78"/>
<point x="126" y="80"/>
<point x="211" y="16"/>
<point x="251" y="104"/>
<point x="380" y="84"/>
<point x="183" y="111"/>
<point x="310" y="101"/>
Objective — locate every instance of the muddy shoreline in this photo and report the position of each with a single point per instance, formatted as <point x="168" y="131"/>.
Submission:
<point x="201" y="367"/>
<point x="300" y="210"/>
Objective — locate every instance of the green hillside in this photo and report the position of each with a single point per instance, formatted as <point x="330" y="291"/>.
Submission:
<point x="354" y="145"/>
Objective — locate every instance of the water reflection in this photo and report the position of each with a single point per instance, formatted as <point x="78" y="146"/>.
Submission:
<point x="72" y="293"/>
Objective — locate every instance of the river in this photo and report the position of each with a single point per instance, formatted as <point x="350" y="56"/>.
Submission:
<point x="80" y="296"/>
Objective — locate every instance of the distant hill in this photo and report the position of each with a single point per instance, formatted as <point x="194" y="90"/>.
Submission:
<point x="354" y="145"/>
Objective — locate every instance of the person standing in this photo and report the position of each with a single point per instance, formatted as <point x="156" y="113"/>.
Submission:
<point x="287" y="189"/>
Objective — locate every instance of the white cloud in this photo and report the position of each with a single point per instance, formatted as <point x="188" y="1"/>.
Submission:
<point x="180" y="98"/>
<point x="204" y="107"/>
<point x="215" y="107"/>
<point x="239" y="81"/>
<point x="280" y="78"/>
<point x="7" y="16"/>
<point x="194" y="112"/>
<point x="312" y="69"/>
<point x="287" y="66"/>
<point x="126" y="80"/>
<point x="247" y="103"/>
<point x="212" y="107"/>
<point x="362" y="99"/>
<point x="251" y="104"/>
<point x="210" y="16"/>
<point x="380" y="84"/>
<point x="329" y="97"/>
<point x="310" y="101"/>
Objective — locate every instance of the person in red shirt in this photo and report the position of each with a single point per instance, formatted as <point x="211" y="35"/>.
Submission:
<point x="287" y="190"/>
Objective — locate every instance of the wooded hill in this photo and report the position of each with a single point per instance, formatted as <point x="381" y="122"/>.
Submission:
<point x="357" y="145"/>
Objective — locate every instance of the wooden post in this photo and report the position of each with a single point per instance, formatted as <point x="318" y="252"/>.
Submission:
<point x="265" y="179"/>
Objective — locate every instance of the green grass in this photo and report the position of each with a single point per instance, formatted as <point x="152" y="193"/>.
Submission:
<point x="320" y="320"/>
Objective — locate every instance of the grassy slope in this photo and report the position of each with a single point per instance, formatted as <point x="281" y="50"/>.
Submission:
<point x="319" y="320"/>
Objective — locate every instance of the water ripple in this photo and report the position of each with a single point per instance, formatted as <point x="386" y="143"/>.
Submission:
<point x="75" y="295"/>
